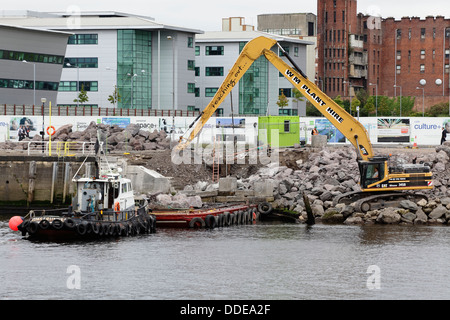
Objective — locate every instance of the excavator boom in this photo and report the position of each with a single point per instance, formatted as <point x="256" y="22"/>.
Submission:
<point x="352" y="129"/>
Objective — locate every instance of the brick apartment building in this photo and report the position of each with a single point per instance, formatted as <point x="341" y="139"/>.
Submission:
<point x="384" y="55"/>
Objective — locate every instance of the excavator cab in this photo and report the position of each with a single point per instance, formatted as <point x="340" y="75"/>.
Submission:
<point x="372" y="171"/>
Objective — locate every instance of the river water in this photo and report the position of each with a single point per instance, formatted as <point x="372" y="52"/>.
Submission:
<point x="264" y="261"/>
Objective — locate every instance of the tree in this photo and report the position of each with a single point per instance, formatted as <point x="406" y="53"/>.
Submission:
<point x="82" y="96"/>
<point x="282" y="101"/>
<point x="115" y="97"/>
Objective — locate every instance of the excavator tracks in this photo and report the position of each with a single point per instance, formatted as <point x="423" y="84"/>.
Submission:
<point x="365" y="201"/>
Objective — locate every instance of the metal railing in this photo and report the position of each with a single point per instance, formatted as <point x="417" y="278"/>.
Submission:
<point x="26" y="110"/>
<point x="58" y="148"/>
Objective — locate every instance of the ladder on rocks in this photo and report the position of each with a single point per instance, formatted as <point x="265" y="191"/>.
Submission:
<point x="216" y="161"/>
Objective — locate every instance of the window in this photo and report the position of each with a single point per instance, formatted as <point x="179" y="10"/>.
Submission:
<point x="399" y="34"/>
<point x="197" y="71"/>
<point x="83" y="39"/>
<point x="190" y="42"/>
<point x="422" y="68"/>
<point x="447" y="68"/>
<point x="191" y="64"/>
<point x="219" y="112"/>
<point x="422" y="54"/>
<point x="447" y="53"/>
<point x="286" y="91"/>
<point x="210" y="92"/>
<point x="422" y="33"/>
<point x="191" y="88"/>
<point x="81" y="62"/>
<point x="287" y="125"/>
<point x="399" y="69"/>
<point x="399" y="55"/>
<point x="28" y="84"/>
<point x="30" y="57"/>
<point x="286" y="49"/>
<point x="295" y="51"/>
<point x="72" y="86"/>
<point x="214" y="50"/>
<point x="214" y="71"/>
<point x="197" y="50"/>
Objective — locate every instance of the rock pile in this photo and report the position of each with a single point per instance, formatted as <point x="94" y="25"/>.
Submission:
<point x="332" y="171"/>
<point x="178" y="201"/>
<point x="116" y="138"/>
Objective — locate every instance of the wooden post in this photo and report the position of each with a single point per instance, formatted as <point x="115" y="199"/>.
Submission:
<point x="311" y="220"/>
<point x="31" y="181"/>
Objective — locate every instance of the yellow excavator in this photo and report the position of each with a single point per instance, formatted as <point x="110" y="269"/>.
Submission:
<point x="381" y="185"/>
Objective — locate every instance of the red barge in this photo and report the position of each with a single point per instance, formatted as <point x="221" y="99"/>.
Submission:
<point x="211" y="218"/>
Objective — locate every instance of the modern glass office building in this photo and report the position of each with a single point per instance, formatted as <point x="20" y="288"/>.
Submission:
<point x="141" y="63"/>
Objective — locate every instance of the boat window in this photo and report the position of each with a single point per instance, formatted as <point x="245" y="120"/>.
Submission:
<point x="129" y="187"/>
<point x="124" y="187"/>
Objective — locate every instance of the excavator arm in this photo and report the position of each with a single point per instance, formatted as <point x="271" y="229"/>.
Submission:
<point x="352" y="129"/>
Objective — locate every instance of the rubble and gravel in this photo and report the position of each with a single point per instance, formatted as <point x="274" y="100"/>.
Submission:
<point x="332" y="171"/>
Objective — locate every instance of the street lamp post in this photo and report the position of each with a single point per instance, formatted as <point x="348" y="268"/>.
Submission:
<point x="376" y="97"/>
<point x="396" y="86"/>
<point x="132" y="88"/>
<point x="423" y="100"/>
<point x="34" y="80"/>
<point x="173" y="85"/>
<point x="43" y="100"/>
<point x="132" y="85"/>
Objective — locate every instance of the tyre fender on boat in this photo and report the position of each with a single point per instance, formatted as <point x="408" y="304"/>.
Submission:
<point x="232" y="219"/>
<point x="44" y="224"/>
<point x="69" y="223"/>
<point x="57" y="224"/>
<point x="220" y="220"/>
<point x="226" y="219"/>
<point x="196" y="222"/>
<point x="239" y="217"/>
<point x="95" y="227"/>
<point x="33" y="227"/>
<point x="210" y="221"/>
<point x="82" y="229"/>
<point x="264" y="208"/>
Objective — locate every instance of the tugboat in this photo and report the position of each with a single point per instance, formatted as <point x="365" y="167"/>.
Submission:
<point x="103" y="206"/>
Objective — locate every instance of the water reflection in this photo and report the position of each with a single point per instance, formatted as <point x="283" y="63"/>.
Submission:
<point x="262" y="261"/>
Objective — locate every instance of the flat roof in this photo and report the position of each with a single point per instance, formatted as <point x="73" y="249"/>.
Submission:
<point x="104" y="20"/>
<point x="235" y="36"/>
<point x="2" y="25"/>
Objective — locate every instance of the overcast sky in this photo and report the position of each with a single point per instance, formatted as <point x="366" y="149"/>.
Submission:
<point x="207" y="15"/>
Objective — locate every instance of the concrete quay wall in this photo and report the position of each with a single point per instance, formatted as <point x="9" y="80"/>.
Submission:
<point x="38" y="180"/>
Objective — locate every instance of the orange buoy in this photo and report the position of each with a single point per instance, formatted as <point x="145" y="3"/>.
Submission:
<point x="14" y="222"/>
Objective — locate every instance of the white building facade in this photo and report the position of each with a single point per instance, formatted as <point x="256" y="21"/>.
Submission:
<point x="258" y="91"/>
